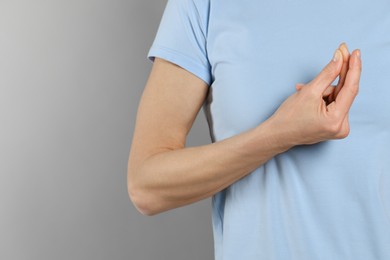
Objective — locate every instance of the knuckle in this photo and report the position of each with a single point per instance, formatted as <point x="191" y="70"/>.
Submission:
<point x="343" y="134"/>
<point x="336" y="128"/>
<point x="333" y="128"/>
<point x="337" y="116"/>
<point x="346" y="133"/>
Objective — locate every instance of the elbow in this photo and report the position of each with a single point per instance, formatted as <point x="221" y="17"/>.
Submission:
<point x="141" y="203"/>
<point x="142" y="200"/>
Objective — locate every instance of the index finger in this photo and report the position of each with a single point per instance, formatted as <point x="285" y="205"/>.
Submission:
<point x="350" y="89"/>
<point x="344" y="49"/>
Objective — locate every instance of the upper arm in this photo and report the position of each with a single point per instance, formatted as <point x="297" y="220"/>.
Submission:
<point x="178" y="82"/>
<point x="168" y="107"/>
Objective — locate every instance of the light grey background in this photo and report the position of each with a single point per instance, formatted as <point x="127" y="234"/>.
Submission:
<point x="71" y="76"/>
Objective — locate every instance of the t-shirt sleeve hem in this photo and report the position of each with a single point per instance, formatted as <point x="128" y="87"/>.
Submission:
<point x="181" y="60"/>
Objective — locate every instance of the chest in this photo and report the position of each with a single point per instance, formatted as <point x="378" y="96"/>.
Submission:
<point x="259" y="50"/>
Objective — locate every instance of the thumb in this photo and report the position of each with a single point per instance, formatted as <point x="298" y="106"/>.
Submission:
<point x="328" y="74"/>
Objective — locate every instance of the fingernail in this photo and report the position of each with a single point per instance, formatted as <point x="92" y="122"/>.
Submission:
<point x="337" y="55"/>
<point x="345" y="45"/>
<point x="357" y="56"/>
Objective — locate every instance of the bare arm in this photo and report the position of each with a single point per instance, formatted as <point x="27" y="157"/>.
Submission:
<point x="162" y="173"/>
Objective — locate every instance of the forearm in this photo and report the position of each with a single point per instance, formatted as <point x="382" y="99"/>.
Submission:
<point x="175" y="178"/>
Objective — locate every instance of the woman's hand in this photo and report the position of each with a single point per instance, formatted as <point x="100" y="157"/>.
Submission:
<point x="331" y="92"/>
<point x="318" y="111"/>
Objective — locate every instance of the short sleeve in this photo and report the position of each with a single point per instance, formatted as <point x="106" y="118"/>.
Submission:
<point x="181" y="37"/>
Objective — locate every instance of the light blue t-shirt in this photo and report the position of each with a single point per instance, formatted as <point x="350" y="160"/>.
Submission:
<point x="326" y="201"/>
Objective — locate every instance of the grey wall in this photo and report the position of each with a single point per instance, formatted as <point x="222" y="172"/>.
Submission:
<point x="71" y="76"/>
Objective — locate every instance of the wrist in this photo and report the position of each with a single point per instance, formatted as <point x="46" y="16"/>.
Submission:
<point x="277" y="135"/>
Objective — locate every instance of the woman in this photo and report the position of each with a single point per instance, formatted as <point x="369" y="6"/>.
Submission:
<point x="294" y="173"/>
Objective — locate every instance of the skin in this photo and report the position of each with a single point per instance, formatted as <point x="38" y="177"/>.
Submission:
<point x="324" y="114"/>
<point x="164" y="174"/>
